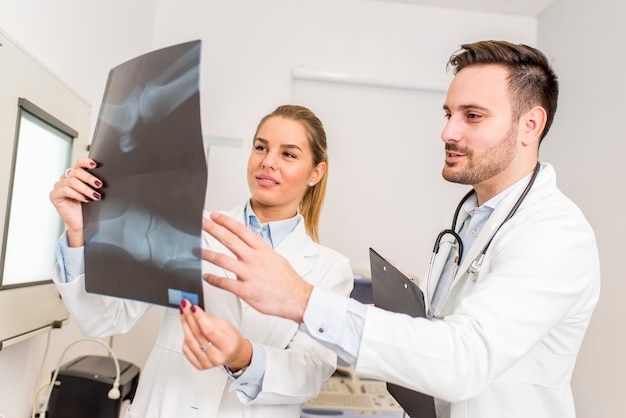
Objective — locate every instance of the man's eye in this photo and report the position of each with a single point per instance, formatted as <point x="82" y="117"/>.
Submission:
<point x="473" y="116"/>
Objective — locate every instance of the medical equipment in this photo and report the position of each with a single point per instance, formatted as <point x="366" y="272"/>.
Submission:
<point x="347" y="395"/>
<point x="476" y="264"/>
<point x="93" y="386"/>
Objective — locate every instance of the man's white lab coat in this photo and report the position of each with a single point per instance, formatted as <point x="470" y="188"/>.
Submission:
<point x="508" y="342"/>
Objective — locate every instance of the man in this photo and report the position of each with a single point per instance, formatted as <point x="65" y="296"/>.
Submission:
<point x="507" y="324"/>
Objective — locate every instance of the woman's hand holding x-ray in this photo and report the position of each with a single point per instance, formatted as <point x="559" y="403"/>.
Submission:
<point x="211" y="341"/>
<point x="265" y="280"/>
<point x="75" y="186"/>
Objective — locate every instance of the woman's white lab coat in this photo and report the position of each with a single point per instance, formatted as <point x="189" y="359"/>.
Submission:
<point x="170" y="386"/>
<point x="509" y="341"/>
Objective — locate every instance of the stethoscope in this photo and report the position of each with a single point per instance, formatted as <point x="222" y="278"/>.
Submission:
<point x="475" y="265"/>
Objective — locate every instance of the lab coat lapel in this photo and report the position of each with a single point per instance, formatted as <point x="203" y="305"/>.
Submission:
<point x="499" y="214"/>
<point x="219" y="302"/>
<point x="218" y="247"/>
<point x="446" y="245"/>
<point x="295" y="247"/>
<point x="462" y="274"/>
<point x="298" y="248"/>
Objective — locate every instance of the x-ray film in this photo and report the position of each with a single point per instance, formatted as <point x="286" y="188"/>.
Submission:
<point x="143" y="238"/>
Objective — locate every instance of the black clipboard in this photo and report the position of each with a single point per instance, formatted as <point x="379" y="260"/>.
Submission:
<point x="395" y="291"/>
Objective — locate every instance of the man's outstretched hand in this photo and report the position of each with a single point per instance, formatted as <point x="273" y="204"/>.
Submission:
<point x="265" y="279"/>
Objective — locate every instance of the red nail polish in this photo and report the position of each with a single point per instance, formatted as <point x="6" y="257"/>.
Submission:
<point x="180" y="308"/>
<point x="97" y="195"/>
<point x="183" y="303"/>
<point x="193" y="309"/>
<point x="97" y="183"/>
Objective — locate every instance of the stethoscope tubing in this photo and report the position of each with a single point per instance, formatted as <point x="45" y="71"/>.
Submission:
<point x="476" y="264"/>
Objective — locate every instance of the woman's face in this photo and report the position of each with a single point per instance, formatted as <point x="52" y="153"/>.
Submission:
<point x="280" y="167"/>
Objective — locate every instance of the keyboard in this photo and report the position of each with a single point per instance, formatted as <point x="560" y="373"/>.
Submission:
<point x="354" y="394"/>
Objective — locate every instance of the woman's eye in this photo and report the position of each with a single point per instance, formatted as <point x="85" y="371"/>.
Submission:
<point x="259" y="148"/>
<point x="289" y="155"/>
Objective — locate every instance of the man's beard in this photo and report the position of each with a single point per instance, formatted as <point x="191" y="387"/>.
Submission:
<point x="482" y="167"/>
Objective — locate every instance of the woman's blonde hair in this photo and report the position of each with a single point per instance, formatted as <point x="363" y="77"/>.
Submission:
<point x="311" y="204"/>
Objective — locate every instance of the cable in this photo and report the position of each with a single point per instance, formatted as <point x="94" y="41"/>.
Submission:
<point x="43" y="362"/>
<point x="114" y="393"/>
<point x="35" y="414"/>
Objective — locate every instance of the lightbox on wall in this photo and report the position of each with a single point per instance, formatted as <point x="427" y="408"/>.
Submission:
<point x="43" y="129"/>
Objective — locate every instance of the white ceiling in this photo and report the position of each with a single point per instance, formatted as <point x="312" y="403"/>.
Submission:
<point x="520" y="7"/>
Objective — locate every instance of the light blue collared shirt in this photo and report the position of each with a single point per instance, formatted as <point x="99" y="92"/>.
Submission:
<point x="271" y="232"/>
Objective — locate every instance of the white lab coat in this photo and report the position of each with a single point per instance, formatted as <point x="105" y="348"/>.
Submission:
<point x="170" y="386"/>
<point x="509" y="341"/>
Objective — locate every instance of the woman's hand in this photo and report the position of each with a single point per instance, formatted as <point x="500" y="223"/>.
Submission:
<point x="75" y="186"/>
<point x="211" y="341"/>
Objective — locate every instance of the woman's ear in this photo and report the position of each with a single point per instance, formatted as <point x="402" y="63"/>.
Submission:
<point x="317" y="173"/>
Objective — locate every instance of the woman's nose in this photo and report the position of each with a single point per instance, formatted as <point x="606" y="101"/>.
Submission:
<point x="269" y="161"/>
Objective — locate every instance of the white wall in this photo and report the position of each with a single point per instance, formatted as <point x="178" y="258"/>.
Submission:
<point x="586" y="40"/>
<point x="249" y="49"/>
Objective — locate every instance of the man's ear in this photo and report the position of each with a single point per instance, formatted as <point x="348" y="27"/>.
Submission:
<point x="532" y="125"/>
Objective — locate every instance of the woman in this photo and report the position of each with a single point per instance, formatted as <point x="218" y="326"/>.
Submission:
<point x="269" y="366"/>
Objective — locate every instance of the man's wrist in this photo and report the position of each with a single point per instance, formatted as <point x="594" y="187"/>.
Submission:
<point x="303" y="302"/>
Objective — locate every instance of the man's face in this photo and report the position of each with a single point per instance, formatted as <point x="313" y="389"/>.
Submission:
<point x="481" y="139"/>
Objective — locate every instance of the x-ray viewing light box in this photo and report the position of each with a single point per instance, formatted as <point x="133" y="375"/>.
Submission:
<point x="32" y="226"/>
<point x="41" y="119"/>
<point x="32" y="230"/>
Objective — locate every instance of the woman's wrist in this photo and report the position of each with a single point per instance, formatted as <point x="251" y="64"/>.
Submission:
<point x="242" y="359"/>
<point x="75" y="238"/>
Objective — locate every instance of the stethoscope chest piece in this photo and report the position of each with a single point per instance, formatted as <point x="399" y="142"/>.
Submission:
<point x="474" y="267"/>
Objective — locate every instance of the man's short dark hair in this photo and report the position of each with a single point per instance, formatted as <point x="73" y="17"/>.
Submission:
<point x="532" y="82"/>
